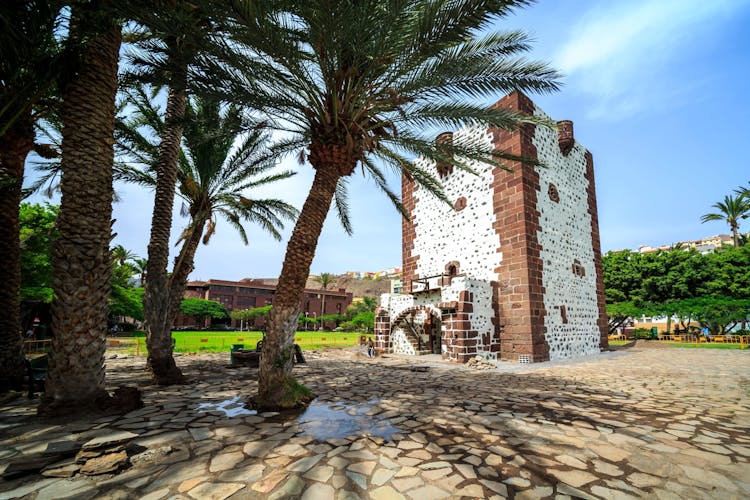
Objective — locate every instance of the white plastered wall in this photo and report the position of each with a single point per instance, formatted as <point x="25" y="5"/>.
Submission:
<point x="565" y="236"/>
<point x="467" y="236"/>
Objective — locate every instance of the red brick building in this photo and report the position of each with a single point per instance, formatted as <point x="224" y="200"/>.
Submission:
<point x="247" y="294"/>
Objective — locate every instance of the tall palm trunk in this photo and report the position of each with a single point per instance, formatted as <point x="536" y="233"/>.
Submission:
<point x="14" y="147"/>
<point x="276" y="388"/>
<point x="81" y="260"/>
<point x="322" y="309"/>
<point x="183" y="266"/>
<point x="156" y="300"/>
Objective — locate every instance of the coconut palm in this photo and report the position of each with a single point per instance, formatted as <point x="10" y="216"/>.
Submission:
<point x="359" y="83"/>
<point x="731" y="210"/>
<point x="28" y="68"/>
<point x="324" y="279"/>
<point x="212" y="180"/>
<point x="81" y="258"/>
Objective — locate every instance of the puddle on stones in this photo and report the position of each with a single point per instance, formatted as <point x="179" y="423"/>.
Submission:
<point x="230" y="407"/>
<point x="319" y="420"/>
<point x="342" y="419"/>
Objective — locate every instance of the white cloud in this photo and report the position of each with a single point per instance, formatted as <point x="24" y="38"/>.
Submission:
<point x="620" y="54"/>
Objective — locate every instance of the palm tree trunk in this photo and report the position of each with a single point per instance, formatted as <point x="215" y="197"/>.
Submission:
<point x="15" y="146"/>
<point x="156" y="300"/>
<point x="276" y="388"/>
<point x="81" y="260"/>
<point x="323" y="310"/>
<point x="183" y="266"/>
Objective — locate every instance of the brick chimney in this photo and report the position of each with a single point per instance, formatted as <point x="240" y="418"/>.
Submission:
<point x="565" y="137"/>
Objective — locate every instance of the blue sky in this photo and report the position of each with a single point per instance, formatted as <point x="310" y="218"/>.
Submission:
<point x="657" y="90"/>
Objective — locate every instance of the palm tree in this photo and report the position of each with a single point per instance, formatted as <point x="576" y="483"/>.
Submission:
<point x="170" y="42"/>
<point x="213" y="178"/>
<point x="731" y="210"/>
<point x="140" y="266"/>
<point x="351" y="83"/>
<point x="28" y="68"/>
<point x="120" y="254"/>
<point x="324" y="279"/>
<point x="81" y="258"/>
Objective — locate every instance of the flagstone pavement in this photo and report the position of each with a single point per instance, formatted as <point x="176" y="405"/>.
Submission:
<point x="643" y="422"/>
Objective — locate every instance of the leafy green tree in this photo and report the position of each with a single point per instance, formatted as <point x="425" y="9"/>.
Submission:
<point x="718" y="314"/>
<point x="364" y="321"/>
<point x="674" y="274"/>
<point x="327" y="319"/>
<point x="250" y="315"/>
<point x="352" y="83"/>
<point x="731" y="210"/>
<point x="201" y="309"/>
<point x="622" y="275"/>
<point x="667" y="283"/>
<point x="140" y="266"/>
<point x="126" y="302"/>
<point x="220" y="164"/>
<point x="126" y="299"/>
<point x="729" y="272"/>
<point x="367" y="304"/>
<point x="37" y="230"/>
<point x="618" y="313"/>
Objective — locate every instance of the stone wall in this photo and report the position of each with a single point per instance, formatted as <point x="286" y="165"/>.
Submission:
<point x="569" y="273"/>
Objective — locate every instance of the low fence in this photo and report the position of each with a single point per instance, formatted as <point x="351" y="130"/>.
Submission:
<point x="36" y="346"/>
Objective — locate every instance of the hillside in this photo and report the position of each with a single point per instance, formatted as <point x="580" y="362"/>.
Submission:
<point x="359" y="288"/>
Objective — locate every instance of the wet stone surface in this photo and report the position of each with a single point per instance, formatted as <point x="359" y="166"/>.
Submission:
<point x="659" y="423"/>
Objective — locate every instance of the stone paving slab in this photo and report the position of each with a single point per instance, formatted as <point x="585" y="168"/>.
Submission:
<point x="659" y="423"/>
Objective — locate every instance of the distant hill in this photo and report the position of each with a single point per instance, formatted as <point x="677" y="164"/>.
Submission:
<point x="359" y="288"/>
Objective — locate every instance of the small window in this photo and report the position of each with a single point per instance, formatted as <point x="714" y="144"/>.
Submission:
<point x="452" y="271"/>
<point x="554" y="195"/>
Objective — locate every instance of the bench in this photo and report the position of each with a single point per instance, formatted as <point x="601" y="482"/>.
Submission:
<point x="238" y="355"/>
<point x="36" y="370"/>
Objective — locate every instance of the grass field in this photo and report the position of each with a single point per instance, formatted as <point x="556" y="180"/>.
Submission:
<point x="188" y="341"/>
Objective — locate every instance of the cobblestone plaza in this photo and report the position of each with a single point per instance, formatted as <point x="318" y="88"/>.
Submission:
<point x="655" y="422"/>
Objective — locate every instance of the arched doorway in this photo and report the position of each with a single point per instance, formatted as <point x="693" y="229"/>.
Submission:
<point x="417" y="330"/>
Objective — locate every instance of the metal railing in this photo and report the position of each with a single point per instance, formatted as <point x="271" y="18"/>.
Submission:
<point x="433" y="282"/>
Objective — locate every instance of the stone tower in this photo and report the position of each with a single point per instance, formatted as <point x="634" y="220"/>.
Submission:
<point x="513" y="270"/>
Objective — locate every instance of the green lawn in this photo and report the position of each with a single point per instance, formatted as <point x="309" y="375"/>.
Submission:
<point x="197" y="341"/>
